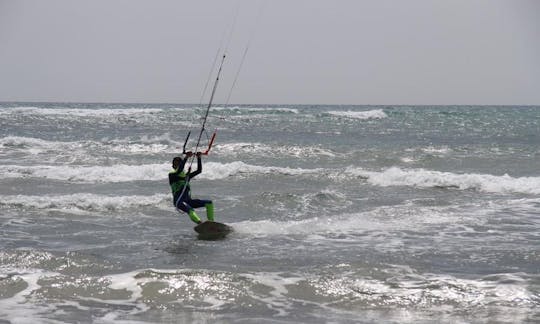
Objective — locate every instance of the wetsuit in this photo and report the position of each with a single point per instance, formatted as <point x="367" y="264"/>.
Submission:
<point x="181" y="192"/>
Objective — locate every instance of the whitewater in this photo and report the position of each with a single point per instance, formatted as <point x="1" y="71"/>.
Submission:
<point x="342" y="214"/>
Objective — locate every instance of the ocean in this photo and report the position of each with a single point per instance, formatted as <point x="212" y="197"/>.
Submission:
<point x="341" y="214"/>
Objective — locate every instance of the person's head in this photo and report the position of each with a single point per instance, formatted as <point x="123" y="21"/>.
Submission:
<point x="176" y="162"/>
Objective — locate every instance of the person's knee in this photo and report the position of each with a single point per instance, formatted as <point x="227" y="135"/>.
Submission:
<point x="183" y="206"/>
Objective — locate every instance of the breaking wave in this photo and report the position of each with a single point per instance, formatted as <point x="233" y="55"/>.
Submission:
<point x="223" y="170"/>
<point x="143" y="144"/>
<point x="150" y="144"/>
<point x="369" y="114"/>
<point x="264" y="149"/>
<point x="436" y="179"/>
<point x="237" y="109"/>
<point x="145" y="172"/>
<point x="274" y="294"/>
<point x="84" y="202"/>
<point x="80" y="112"/>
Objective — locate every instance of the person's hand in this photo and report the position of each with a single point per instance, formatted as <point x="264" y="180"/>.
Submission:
<point x="189" y="154"/>
<point x="199" y="154"/>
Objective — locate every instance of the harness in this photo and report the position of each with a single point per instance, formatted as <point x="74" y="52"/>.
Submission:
<point x="177" y="186"/>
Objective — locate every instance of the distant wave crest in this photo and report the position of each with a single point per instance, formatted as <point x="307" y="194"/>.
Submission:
<point x="80" y="112"/>
<point x="256" y="109"/>
<point x="265" y="149"/>
<point x="369" y="114"/>
<point x="432" y="179"/>
<point x="154" y="144"/>
<point x="83" y="202"/>
<point x="145" y="172"/>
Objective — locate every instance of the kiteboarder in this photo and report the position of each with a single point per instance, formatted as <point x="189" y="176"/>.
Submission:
<point x="179" y="181"/>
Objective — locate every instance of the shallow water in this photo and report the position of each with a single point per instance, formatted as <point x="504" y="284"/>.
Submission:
<point x="341" y="214"/>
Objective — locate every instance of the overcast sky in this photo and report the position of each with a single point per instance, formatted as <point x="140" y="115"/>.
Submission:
<point x="302" y="51"/>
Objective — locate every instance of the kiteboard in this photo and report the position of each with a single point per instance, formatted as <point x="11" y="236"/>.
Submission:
<point x="212" y="230"/>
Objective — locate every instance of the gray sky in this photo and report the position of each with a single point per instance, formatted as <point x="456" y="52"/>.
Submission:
<point x="302" y="51"/>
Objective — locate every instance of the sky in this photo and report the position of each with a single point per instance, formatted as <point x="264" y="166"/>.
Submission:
<point x="360" y="52"/>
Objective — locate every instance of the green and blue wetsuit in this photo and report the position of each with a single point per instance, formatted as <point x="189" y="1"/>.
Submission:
<point x="181" y="191"/>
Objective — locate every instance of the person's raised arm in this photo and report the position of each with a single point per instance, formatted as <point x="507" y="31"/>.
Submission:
<point x="199" y="166"/>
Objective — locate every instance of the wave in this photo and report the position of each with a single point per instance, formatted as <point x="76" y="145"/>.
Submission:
<point x="384" y="222"/>
<point x="330" y="293"/>
<point x="107" y="112"/>
<point x="264" y="149"/>
<point x="144" y="144"/>
<point x="113" y="173"/>
<point x="152" y="144"/>
<point x="81" y="112"/>
<point x="406" y="287"/>
<point x="369" y="114"/>
<point x="34" y="145"/>
<point x="84" y="202"/>
<point x="436" y="179"/>
<point x="257" y="109"/>
<point x="216" y="170"/>
<point x="145" y="172"/>
<point x="379" y="220"/>
<point x="10" y="110"/>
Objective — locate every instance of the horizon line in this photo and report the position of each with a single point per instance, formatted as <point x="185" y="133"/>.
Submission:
<point x="254" y="104"/>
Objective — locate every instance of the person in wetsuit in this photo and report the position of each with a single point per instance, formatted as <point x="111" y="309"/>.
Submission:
<point x="182" y="200"/>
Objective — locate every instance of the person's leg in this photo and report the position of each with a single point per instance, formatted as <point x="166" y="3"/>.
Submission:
<point x="187" y="208"/>
<point x="209" y="210"/>
<point x="194" y="217"/>
<point x="197" y="203"/>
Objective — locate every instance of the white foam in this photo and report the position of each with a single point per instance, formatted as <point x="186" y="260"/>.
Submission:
<point x="163" y="138"/>
<point x="381" y="223"/>
<point x="80" y="112"/>
<point x="144" y="144"/>
<point x="84" y="202"/>
<point x="427" y="179"/>
<point x="206" y="289"/>
<point x="407" y="159"/>
<point x="369" y="114"/>
<point x="17" y="309"/>
<point x="32" y="146"/>
<point x="427" y="290"/>
<point x="241" y="148"/>
<point x="217" y="289"/>
<point x="145" y="172"/>
<point x="14" y="110"/>
<point x="340" y="223"/>
<point x="24" y="259"/>
<point x="137" y="148"/>
<point x="436" y="150"/>
<point x="113" y="173"/>
<point x="130" y="283"/>
<point x="135" y="295"/>
<point x="256" y="109"/>
<point x="215" y="170"/>
<point x="278" y="299"/>
<point x="18" y="142"/>
<point x="403" y="287"/>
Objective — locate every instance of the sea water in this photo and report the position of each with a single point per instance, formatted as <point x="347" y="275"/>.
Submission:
<point x="342" y="214"/>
